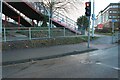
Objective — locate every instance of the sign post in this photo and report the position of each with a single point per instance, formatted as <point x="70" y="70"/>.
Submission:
<point x="113" y="27"/>
<point x="93" y="18"/>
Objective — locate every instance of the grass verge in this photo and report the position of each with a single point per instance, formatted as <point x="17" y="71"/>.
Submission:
<point x="13" y="45"/>
<point x="108" y="34"/>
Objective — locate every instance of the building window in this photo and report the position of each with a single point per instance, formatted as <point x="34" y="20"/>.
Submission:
<point x="116" y="20"/>
<point x="118" y="17"/>
<point x="110" y="11"/>
<point x="114" y="6"/>
<point x="114" y="11"/>
<point x="113" y="16"/>
<point x="110" y="16"/>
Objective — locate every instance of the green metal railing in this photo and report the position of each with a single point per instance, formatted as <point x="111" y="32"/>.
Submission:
<point x="24" y="33"/>
<point x="29" y="33"/>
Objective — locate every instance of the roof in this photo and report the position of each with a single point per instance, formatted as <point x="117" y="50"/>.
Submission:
<point x="110" y="5"/>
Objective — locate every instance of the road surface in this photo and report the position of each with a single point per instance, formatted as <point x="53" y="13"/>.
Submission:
<point x="102" y="63"/>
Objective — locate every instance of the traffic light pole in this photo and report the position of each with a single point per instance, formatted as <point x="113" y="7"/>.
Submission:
<point x="88" y="14"/>
<point x="89" y="32"/>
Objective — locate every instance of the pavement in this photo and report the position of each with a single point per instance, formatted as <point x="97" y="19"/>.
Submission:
<point x="29" y="55"/>
<point x="17" y="34"/>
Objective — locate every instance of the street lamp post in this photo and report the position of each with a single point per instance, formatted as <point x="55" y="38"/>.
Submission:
<point x="88" y="10"/>
<point x="93" y="18"/>
<point x="1" y="38"/>
<point x="49" y="24"/>
<point x="1" y="18"/>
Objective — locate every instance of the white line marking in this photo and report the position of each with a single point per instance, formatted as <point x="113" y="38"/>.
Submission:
<point x="116" y="68"/>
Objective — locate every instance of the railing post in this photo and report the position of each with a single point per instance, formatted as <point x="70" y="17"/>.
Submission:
<point x="49" y="32"/>
<point x="51" y="24"/>
<point x="66" y="20"/>
<point x="64" y="32"/>
<point x="112" y="32"/>
<point x="75" y="26"/>
<point x="4" y="34"/>
<point x="76" y="33"/>
<point x="30" y="34"/>
<point x="18" y="22"/>
<point x="57" y="16"/>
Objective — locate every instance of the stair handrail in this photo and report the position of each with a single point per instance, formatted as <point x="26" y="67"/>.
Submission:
<point x="69" y="22"/>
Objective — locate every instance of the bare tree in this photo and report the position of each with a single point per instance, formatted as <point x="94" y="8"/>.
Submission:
<point x="63" y="6"/>
<point x="60" y="5"/>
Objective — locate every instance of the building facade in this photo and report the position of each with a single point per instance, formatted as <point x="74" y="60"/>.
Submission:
<point x="108" y="15"/>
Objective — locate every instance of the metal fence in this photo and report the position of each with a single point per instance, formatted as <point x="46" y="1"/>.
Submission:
<point x="24" y="33"/>
<point x="115" y="37"/>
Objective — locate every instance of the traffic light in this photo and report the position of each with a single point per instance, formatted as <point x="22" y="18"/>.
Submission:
<point x="88" y="8"/>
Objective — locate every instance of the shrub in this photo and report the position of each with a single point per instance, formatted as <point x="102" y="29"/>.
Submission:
<point x="42" y="43"/>
<point x="104" y="30"/>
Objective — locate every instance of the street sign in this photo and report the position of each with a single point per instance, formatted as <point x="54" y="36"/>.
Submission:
<point x="93" y="17"/>
<point x="113" y="20"/>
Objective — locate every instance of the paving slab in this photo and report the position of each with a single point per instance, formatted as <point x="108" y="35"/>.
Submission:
<point x="25" y="55"/>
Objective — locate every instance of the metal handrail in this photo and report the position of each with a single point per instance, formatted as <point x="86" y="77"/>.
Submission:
<point x="67" y="20"/>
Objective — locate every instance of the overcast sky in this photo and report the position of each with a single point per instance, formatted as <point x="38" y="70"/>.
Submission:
<point x="99" y="5"/>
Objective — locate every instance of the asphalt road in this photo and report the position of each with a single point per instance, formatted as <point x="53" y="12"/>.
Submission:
<point x="98" y="64"/>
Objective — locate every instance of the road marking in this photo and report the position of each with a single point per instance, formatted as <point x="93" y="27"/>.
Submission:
<point x="73" y="55"/>
<point x="93" y="54"/>
<point x="116" y="68"/>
